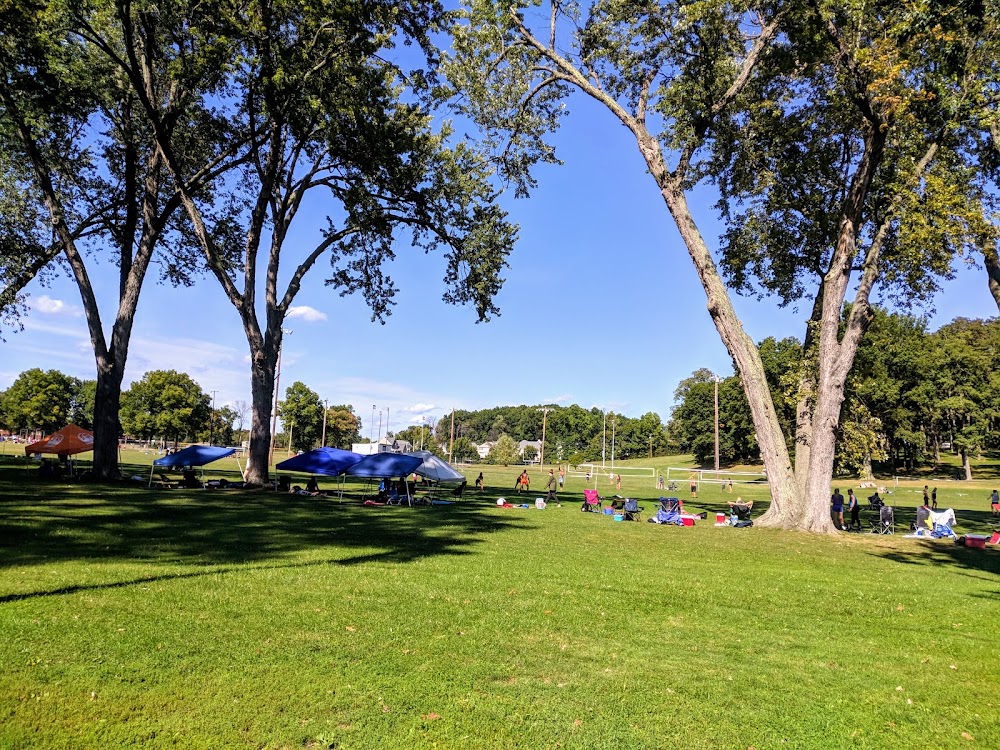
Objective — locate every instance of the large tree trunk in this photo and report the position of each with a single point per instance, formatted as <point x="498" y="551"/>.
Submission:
<point x="966" y="464"/>
<point x="262" y="400"/>
<point x="746" y="356"/>
<point x="992" y="263"/>
<point x="106" y="427"/>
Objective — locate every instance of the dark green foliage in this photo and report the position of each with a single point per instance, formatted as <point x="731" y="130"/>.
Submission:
<point x="301" y="413"/>
<point x="39" y="400"/>
<point x="572" y="433"/>
<point x="165" y="404"/>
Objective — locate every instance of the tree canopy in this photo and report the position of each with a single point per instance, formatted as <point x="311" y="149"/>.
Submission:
<point x="834" y="134"/>
<point x="165" y="404"/>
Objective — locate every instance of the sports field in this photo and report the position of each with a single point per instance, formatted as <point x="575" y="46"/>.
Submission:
<point x="249" y="619"/>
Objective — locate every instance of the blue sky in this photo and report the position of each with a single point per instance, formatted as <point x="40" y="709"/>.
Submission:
<point x="601" y="307"/>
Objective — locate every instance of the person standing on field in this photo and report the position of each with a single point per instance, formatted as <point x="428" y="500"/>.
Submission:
<point x="837" y="506"/>
<point x="852" y="505"/>
<point x="551" y="496"/>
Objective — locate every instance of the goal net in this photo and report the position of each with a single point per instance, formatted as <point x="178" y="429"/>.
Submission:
<point x="679" y="475"/>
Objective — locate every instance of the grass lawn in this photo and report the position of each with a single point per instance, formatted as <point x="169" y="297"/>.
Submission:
<point x="230" y="619"/>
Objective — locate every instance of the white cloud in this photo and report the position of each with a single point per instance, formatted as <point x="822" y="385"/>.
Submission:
<point x="419" y="408"/>
<point x="565" y="398"/>
<point x="45" y="304"/>
<point x="308" y="314"/>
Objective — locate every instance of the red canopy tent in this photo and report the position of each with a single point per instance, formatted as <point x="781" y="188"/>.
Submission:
<point x="68" y="441"/>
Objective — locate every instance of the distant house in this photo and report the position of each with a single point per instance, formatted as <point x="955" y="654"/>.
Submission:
<point x="484" y="449"/>
<point x="536" y="444"/>
<point x="385" y="445"/>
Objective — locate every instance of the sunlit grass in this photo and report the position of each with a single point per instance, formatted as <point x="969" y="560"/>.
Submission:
<point x="257" y="620"/>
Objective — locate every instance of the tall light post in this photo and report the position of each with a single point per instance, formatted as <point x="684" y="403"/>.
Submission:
<point x="545" y="413"/>
<point x="451" y="440"/>
<point x="604" y="438"/>
<point x="423" y="424"/>
<point x="326" y="407"/>
<point x="277" y="388"/>
<point x="613" y="424"/>
<point x="716" y="378"/>
<point x="371" y="428"/>
<point x="211" y="424"/>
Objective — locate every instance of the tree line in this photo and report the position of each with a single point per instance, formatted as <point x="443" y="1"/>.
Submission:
<point x="910" y="395"/>
<point x="166" y="406"/>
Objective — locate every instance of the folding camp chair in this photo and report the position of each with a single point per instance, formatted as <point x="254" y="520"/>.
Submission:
<point x="632" y="509"/>
<point x="886" y="521"/>
<point x="922" y="522"/>
<point x="591" y="501"/>
<point x="669" y="512"/>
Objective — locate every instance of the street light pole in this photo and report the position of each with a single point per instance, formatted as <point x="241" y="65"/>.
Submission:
<point x="211" y="424"/>
<point x="277" y="388"/>
<point x="604" y="439"/>
<point x="613" y="425"/>
<point x="716" y="377"/>
<point x="326" y="407"/>
<point x="451" y="440"/>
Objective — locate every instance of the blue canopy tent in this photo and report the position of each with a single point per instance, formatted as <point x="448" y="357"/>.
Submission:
<point x="193" y="455"/>
<point x="329" y="461"/>
<point x="386" y="466"/>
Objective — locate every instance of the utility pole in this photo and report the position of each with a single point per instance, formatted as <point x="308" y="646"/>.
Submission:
<point x="211" y="424"/>
<point x="291" y="432"/>
<point x="545" y="413"/>
<point x="326" y="407"/>
<point x="716" y="377"/>
<point x="371" y="429"/>
<point x="451" y="440"/>
<point x="423" y="423"/>
<point x="277" y="388"/>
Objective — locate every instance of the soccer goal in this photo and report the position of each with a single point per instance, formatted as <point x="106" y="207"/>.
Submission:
<point x="634" y="475"/>
<point x="679" y="475"/>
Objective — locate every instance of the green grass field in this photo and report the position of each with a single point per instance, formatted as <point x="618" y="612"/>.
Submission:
<point x="231" y="619"/>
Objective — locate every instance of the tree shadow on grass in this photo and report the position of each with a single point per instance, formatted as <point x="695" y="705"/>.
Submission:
<point x="944" y="552"/>
<point x="46" y="523"/>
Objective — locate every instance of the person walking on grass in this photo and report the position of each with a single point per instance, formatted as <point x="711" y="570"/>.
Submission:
<point x="551" y="496"/>
<point x="852" y="505"/>
<point x="694" y="484"/>
<point x="479" y="482"/>
<point x="837" y="506"/>
<point x="562" y="477"/>
<point x="934" y="499"/>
